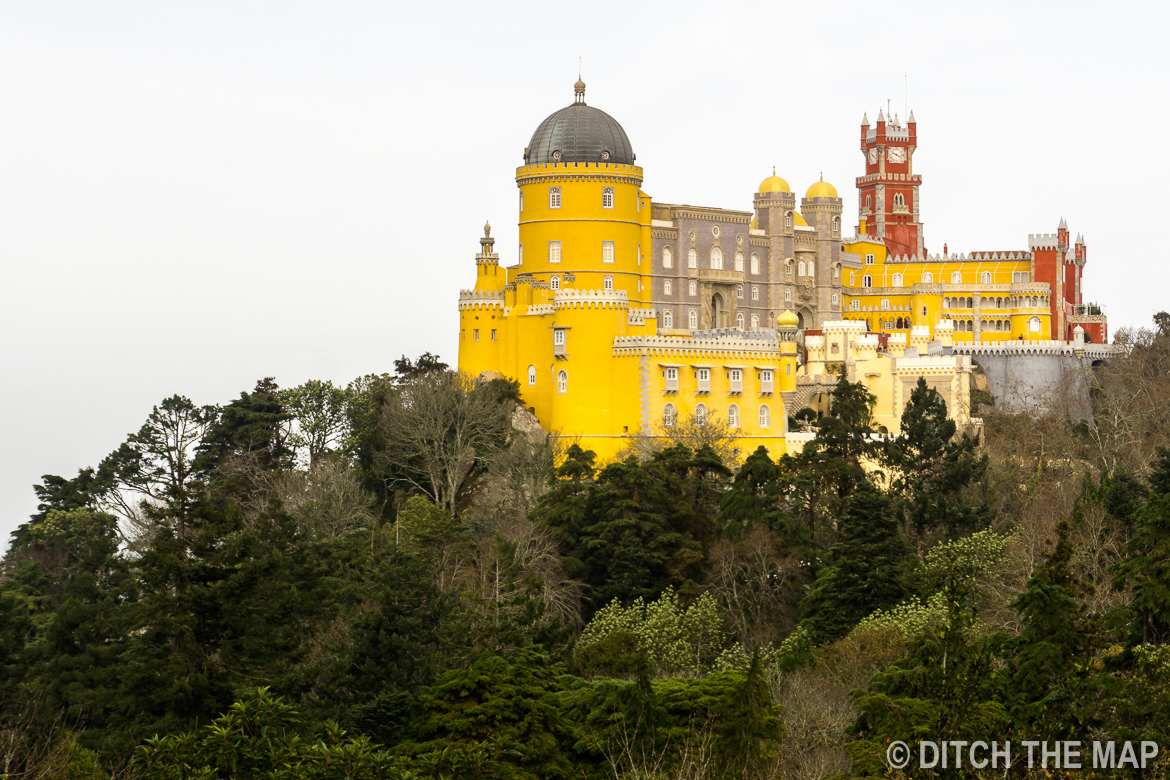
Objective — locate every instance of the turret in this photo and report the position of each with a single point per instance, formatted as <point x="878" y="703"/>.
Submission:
<point x="487" y="263"/>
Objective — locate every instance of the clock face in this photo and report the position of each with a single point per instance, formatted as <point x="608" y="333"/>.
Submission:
<point x="896" y="154"/>
<point x="873" y="156"/>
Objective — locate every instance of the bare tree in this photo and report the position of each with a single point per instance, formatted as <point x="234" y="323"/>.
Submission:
<point x="436" y="426"/>
<point x="710" y="430"/>
<point x="327" y="499"/>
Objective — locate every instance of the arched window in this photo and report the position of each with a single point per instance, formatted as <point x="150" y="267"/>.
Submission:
<point x="739" y="261"/>
<point x="970" y="303"/>
<point x="755" y="321"/>
<point x="520" y="256"/>
<point x="607" y="197"/>
<point x="837" y="272"/>
<point x="716" y="258"/>
<point x="733" y="416"/>
<point x="928" y="278"/>
<point x="788" y="220"/>
<point x="554" y="282"/>
<point x="787" y="295"/>
<point x="554" y="251"/>
<point x="521" y="201"/>
<point x="1034" y="325"/>
<point x="835" y="299"/>
<point x="946" y="303"/>
<point x="899" y="199"/>
<point x="755" y="292"/>
<point x="897" y="281"/>
<point x="668" y="319"/>
<point x="562" y="381"/>
<point x="836" y="227"/>
<point x="607" y="251"/>
<point x="692" y="319"/>
<point x="554" y="197"/>
<point x="692" y="288"/>
<point x="669" y="415"/>
<point x="852" y="279"/>
<point x="956" y="278"/>
<point x="755" y="263"/>
<point x="608" y="282"/>
<point x="987" y="277"/>
<point x="667" y="257"/>
<point x="765" y="416"/>
<point x="701" y="414"/>
<point x="788" y="267"/>
<point x="867" y="281"/>
<point x="667" y="287"/>
<point x="532" y="375"/>
<point x="739" y="291"/>
<point x="692" y="258"/>
<point x="800" y="268"/>
<point x="739" y="320"/>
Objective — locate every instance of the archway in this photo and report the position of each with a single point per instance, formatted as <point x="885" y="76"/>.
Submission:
<point x="717" y="313"/>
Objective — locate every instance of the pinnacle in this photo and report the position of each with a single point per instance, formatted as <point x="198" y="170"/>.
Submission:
<point x="881" y="116"/>
<point x="910" y="119"/>
<point x="865" y="119"/>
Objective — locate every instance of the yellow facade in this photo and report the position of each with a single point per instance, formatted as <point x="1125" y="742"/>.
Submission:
<point x="988" y="295"/>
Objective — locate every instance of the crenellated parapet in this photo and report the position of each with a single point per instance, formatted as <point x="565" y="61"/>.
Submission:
<point x="639" y="316"/>
<point x="481" y="299"/>
<point x="1038" y="347"/>
<point x="590" y="299"/>
<point x="1043" y="241"/>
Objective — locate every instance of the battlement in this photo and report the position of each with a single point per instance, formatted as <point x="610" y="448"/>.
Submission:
<point x="702" y="341"/>
<point x="1038" y="347"/>
<point x="574" y="298"/>
<point x="540" y="309"/>
<point x="1043" y="241"/>
<point x="844" y="326"/>
<point x="481" y="299"/>
<point x="639" y="316"/>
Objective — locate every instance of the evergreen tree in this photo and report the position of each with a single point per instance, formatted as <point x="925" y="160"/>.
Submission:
<point x="754" y="495"/>
<point x="1146" y="570"/>
<point x="1159" y="479"/>
<point x="868" y="571"/>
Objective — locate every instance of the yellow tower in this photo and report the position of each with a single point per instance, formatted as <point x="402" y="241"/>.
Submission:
<point x="584" y="222"/>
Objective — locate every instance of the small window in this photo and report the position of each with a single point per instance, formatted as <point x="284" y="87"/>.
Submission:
<point x="554" y="197"/>
<point x="700" y="415"/>
<point x="755" y="292"/>
<point x="867" y="281"/>
<point x="608" y="283"/>
<point x="739" y="291"/>
<point x="885" y="304"/>
<point x="667" y="257"/>
<point x="897" y="281"/>
<point x="987" y="277"/>
<point x="521" y="201"/>
<point x="956" y="278"/>
<point x="667" y="286"/>
<point x="852" y="279"/>
<point x="667" y="319"/>
<point x="1034" y="325"/>
<point x="555" y="282"/>
<point x="923" y="311"/>
<point x="475" y="335"/>
<point x="739" y="261"/>
<point x="493" y="334"/>
<point x="765" y="416"/>
<point x="607" y="251"/>
<point x="607" y="198"/>
<point x="733" y="416"/>
<point x="693" y="288"/>
<point x="562" y="381"/>
<point x="716" y="258"/>
<point x="755" y="264"/>
<point x="788" y="267"/>
<point x="703" y="379"/>
<point x="868" y="202"/>
<point x="800" y="268"/>
<point x="928" y="278"/>
<point x="755" y="321"/>
<point x="869" y="259"/>
<point x="520" y="256"/>
<point x="692" y="258"/>
<point x="835" y="299"/>
<point x="669" y="416"/>
<point x="766" y="381"/>
<point x="532" y="375"/>
<point x="788" y="220"/>
<point x="787" y="295"/>
<point x="554" y="251"/>
<point x="836" y="227"/>
<point x="836" y="272"/>
<point x="692" y="320"/>
<point x="559" y="337"/>
<point x="738" y="321"/>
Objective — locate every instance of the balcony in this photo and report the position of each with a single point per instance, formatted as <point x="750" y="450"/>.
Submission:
<point x="720" y="275"/>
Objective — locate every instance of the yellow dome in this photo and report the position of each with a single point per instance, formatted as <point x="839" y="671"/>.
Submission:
<point x="821" y="189"/>
<point x="787" y="319"/>
<point x="799" y="220"/>
<point x="774" y="184"/>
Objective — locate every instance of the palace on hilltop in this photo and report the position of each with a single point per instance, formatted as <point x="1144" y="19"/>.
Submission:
<point x="620" y="315"/>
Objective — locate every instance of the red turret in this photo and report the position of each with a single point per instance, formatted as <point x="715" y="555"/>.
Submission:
<point x="888" y="192"/>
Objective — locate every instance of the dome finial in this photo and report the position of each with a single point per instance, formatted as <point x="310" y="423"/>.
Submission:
<point x="579" y="87"/>
<point x="773" y="170"/>
<point x="487" y="228"/>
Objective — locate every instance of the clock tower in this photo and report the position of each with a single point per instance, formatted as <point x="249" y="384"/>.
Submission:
<point x="888" y="192"/>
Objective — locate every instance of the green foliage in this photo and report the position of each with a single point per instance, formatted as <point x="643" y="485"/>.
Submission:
<point x="672" y="638"/>
<point x="259" y="737"/>
<point x="1144" y="571"/>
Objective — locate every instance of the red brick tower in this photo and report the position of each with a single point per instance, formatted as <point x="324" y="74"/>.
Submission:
<point x="888" y="192"/>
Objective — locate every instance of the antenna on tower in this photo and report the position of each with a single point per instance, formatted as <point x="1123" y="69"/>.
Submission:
<point x="887" y="109"/>
<point x="906" y="94"/>
<point x="578" y="69"/>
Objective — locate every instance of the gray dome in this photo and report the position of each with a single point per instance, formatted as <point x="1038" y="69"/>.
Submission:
<point x="580" y="133"/>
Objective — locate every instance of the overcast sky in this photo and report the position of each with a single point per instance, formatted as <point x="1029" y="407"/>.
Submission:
<point x="197" y="195"/>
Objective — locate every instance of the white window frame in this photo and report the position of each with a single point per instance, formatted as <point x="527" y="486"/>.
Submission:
<point x="716" y="259"/>
<point x="532" y="375"/>
<point x="562" y="382"/>
<point x="668" y="319"/>
<point x="607" y="283"/>
<point x="607" y="251"/>
<point x="735" y="380"/>
<point x="669" y="416"/>
<point x="956" y="278"/>
<point x="607" y="197"/>
<point x="896" y="281"/>
<point x="703" y="379"/>
<point x="554" y="197"/>
<point x="852" y="278"/>
<point x="733" y="416"/>
<point x="765" y="417"/>
<point x="667" y="257"/>
<point x="701" y="414"/>
<point x="667" y="287"/>
<point x="766" y="380"/>
<point x="985" y="277"/>
<point x="867" y="281"/>
<point x="755" y="264"/>
<point x="520" y="256"/>
<point x="554" y="252"/>
<point x="739" y="261"/>
<point x="692" y="258"/>
<point x="693" y="319"/>
<point x="755" y="292"/>
<point x="739" y="291"/>
<point x="788" y="219"/>
<point x="521" y="201"/>
<point x="787" y="295"/>
<point x="670" y="378"/>
<point x="558" y="337"/>
<point x="693" y="288"/>
<point x="739" y="323"/>
<point x="869" y="260"/>
<point x="554" y="282"/>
